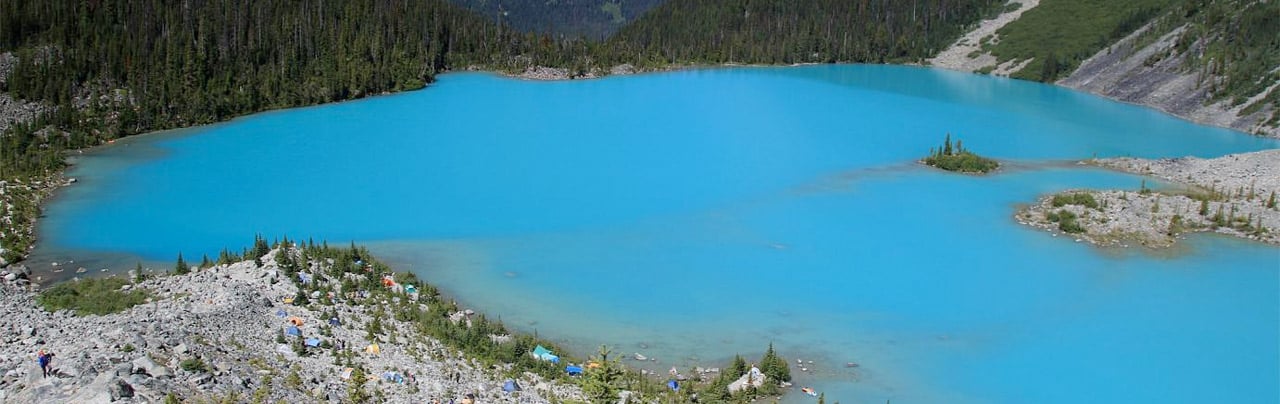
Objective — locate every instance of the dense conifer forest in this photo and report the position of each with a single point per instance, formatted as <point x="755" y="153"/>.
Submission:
<point x="592" y="19"/>
<point x="785" y="31"/>
<point x="112" y="68"/>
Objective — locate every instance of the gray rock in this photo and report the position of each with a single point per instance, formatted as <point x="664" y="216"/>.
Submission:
<point x="119" y="389"/>
<point x="151" y="368"/>
<point x="202" y="379"/>
<point x="181" y="349"/>
<point x="124" y="369"/>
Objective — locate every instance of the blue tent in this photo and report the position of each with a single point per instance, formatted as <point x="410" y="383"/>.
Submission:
<point x="334" y="321"/>
<point x="294" y="331"/>
<point x="393" y="377"/>
<point x="573" y="370"/>
<point x="304" y="278"/>
<point x="673" y="385"/>
<point x="510" y="386"/>
<point x="312" y="342"/>
<point x="545" y="354"/>
<point x="281" y="313"/>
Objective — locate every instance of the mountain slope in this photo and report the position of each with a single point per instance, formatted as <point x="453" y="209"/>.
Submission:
<point x="1216" y="62"/>
<point x="1211" y="61"/>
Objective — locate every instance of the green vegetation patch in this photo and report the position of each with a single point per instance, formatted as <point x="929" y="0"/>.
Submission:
<point x="959" y="159"/>
<point x="1059" y="34"/>
<point x="1066" y="221"/>
<point x="1075" y="198"/>
<point x="91" y="296"/>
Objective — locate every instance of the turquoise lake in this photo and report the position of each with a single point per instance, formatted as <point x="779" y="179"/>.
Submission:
<point x="696" y="214"/>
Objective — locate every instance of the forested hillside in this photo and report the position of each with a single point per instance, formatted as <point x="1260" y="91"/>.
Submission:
<point x="133" y="66"/>
<point x="1057" y="35"/>
<point x="594" y="19"/>
<point x="795" y="31"/>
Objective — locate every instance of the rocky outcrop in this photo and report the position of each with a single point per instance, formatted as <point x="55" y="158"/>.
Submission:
<point x="14" y="111"/>
<point x="214" y="334"/>
<point x="1155" y="75"/>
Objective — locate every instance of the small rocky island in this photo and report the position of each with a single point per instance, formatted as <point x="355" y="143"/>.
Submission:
<point x="1233" y="195"/>
<point x="959" y="159"/>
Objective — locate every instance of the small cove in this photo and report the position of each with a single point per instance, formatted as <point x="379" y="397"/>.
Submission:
<point x="696" y="214"/>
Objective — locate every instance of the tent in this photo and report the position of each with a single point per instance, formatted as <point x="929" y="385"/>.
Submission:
<point x="510" y="386"/>
<point x="673" y="385"/>
<point x="545" y="354"/>
<point x="573" y="370"/>
<point x="346" y="373"/>
<point x="304" y="278"/>
<point x="293" y="331"/>
<point x="334" y="322"/>
<point x="312" y="342"/>
<point x="393" y="377"/>
<point x="281" y="313"/>
<point x="297" y="321"/>
<point x="410" y="289"/>
<point x="373" y="349"/>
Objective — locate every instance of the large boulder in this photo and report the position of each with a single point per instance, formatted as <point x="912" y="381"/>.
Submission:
<point x="151" y="368"/>
<point x="119" y="389"/>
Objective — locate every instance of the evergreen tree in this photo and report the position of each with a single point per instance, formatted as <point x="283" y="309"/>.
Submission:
<point x="738" y="368"/>
<point x="1271" y="201"/>
<point x="603" y="383"/>
<point x="355" y="386"/>
<point x="181" y="267"/>
<point x="775" y="366"/>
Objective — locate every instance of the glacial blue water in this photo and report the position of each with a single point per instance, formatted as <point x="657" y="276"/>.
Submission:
<point x="697" y="214"/>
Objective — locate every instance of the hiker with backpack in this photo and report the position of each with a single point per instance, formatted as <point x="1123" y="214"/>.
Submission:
<point x="44" y="358"/>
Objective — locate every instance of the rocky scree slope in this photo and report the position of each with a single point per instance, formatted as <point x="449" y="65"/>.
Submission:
<point x="227" y="318"/>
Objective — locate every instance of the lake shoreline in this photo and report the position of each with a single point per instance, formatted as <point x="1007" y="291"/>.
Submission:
<point x="49" y="185"/>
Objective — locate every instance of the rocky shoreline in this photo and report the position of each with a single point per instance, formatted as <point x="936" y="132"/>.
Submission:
<point x="1233" y="195"/>
<point x="229" y="319"/>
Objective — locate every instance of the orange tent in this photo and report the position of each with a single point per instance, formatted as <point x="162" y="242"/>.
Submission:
<point x="295" y="321"/>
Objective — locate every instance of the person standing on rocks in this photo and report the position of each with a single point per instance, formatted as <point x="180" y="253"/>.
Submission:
<point x="44" y="358"/>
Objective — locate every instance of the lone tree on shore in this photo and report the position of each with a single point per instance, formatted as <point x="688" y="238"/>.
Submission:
<point x="181" y="268"/>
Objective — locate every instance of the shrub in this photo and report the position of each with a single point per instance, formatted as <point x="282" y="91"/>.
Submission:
<point x="194" y="365"/>
<point x="1075" y="198"/>
<point x="91" y="296"/>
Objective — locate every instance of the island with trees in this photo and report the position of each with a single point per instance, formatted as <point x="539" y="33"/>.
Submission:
<point x="959" y="159"/>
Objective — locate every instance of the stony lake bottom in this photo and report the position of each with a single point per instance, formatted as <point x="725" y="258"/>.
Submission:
<point x="697" y="214"/>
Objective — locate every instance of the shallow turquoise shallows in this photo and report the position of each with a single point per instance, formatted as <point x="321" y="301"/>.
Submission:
<point x="692" y="215"/>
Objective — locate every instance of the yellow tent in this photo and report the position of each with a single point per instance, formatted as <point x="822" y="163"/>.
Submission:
<point x="373" y="349"/>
